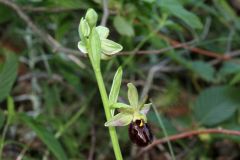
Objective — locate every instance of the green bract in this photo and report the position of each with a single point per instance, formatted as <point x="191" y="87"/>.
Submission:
<point x="108" y="47"/>
<point x="128" y="113"/>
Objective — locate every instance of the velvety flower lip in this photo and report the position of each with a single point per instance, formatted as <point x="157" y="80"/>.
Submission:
<point x="140" y="133"/>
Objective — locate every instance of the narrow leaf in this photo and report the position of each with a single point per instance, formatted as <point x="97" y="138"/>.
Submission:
<point x="8" y="75"/>
<point x="11" y="109"/>
<point x="132" y="95"/>
<point x="46" y="136"/>
<point x="117" y="80"/>
<point x="121" y="119"/>
<point x="175" y="8"/>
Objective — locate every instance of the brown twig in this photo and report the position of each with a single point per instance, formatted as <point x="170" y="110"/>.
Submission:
<point x="190" y="134"/>
<point x="47" y="9"/>
<point x="57" y="47"/>
<point x="105" y="13"/>
<point x="48" y="39"/>
<point x="195" y="49"/>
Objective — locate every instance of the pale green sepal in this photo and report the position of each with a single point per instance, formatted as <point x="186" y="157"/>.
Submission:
<point x="91" y="17"/>
<point x="146" y="107"/>
<point x="121" y="119"/>
<point x="142" y="102"/>
<point x="82" y="47"/>
<point x="119" y="106"/>
<point x="105" y="57"/>
<point x="132" y="95"/>
<point x="110" y="47"/>
<point x="84" y="28"/>
<point x="95" y="47"/>
<point x="116" y="84"/>
<point x="80" y="32"/>
<point x="102" y="31"/>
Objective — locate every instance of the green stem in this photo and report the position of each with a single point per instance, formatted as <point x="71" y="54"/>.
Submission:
<point x="112" y="130"/>
<point x="164" y="131"/>
<point x="2" y="139"/>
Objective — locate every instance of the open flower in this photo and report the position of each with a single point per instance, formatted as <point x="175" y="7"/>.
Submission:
<point x="135" y="115"/>
<point x="108" y="47"/>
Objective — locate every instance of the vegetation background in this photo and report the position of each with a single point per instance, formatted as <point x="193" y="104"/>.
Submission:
<point x="183" y="54"/>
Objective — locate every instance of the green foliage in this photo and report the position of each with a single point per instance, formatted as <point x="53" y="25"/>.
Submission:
<point x="46" y="136"/>
<point x="216" y="104"/>
<point x="8" y="75"/>
<point x="204" y="70"/>
<point x="175" y="8"/>
<point x="123" y="26"/>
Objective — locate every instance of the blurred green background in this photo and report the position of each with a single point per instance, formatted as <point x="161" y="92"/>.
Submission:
<point x="183" y="53"/>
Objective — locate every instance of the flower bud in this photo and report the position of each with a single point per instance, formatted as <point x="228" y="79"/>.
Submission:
<point x="91" y="17"/>
<point x="84" y="28"/>
<point x="140" y="133"/>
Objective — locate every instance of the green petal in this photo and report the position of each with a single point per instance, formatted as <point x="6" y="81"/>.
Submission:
<point x="110" y="47"/>
<point x="102" y="31"/>
<point x="121" y="119"/>
<point x="144" y="110"/>
<point x="82" y="47"/>
<point x="105" y="57"/>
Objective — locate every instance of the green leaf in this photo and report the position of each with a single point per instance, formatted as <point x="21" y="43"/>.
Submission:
<point x="235" y="80"/>
<point x="46" y="136"/>
<point x="175" y="8"/>
<point x="123" y="27"/>
<point x="229" y="68"/>
<point x="95" y="47"/>
<point x="121" y="119"/>
<point x="204" y="70"/>
<point x="132" y="95"/>
<point x="116" y="84"/>
<point x="216" y="104"/>
<point x="8" y="75"/>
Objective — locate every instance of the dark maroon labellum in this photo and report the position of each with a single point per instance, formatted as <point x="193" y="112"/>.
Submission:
<point x="140" y="133"/>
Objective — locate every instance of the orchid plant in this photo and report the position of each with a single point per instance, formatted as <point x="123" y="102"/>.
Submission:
<point x="94" y="44"/>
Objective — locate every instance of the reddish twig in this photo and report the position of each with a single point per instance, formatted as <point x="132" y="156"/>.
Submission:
<point x="190" y="134"/>
<point x="195" y="49"/>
